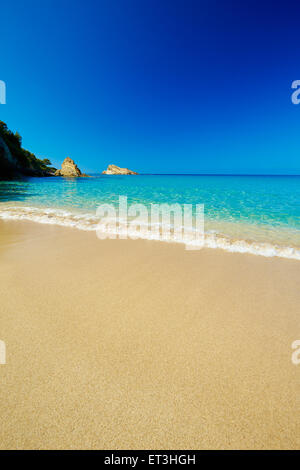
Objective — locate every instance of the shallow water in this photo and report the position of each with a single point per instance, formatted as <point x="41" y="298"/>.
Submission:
<point x="256" y="214"/>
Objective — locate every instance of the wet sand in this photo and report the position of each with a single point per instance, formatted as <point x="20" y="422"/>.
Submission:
<point x="123" y="344"/>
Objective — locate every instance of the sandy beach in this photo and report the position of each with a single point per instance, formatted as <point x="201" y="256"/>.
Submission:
<point x="123" y="344"/>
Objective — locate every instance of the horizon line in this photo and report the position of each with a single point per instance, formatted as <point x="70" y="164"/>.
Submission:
<point x="207" y="174"/>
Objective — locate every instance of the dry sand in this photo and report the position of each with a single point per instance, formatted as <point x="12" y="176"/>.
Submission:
<point x="144" y="345"/>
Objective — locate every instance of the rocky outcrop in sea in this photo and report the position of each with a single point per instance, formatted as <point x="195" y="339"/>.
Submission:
<point x="69" y="169"/>
<point x="116" y="170"/>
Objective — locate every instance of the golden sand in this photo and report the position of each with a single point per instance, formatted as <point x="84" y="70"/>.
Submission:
<point x="123" y="344"/>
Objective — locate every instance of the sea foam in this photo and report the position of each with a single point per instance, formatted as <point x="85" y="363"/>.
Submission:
<point x="90" y="222"/>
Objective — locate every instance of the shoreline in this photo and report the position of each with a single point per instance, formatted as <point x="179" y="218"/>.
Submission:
<point x="214" y="239"/>
<point x="131" y="344"/>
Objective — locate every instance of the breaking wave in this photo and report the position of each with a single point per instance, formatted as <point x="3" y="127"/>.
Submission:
<point x="90" y="222"/>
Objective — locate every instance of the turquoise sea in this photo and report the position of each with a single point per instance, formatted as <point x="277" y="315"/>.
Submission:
<point x="255" y="214"/>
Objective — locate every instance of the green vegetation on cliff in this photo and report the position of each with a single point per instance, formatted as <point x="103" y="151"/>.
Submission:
<point x="14" y="160"/>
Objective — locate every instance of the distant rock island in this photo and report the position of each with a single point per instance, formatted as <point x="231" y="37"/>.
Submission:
<point x="116" y="170"/>
<point x="69" y="169"/>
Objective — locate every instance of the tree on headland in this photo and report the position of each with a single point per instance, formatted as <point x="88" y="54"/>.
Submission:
<point x="25" y="161"/>
<point x="18" y="138"/>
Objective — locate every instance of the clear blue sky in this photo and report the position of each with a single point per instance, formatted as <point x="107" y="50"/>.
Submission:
<point x="158" y="86"/>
